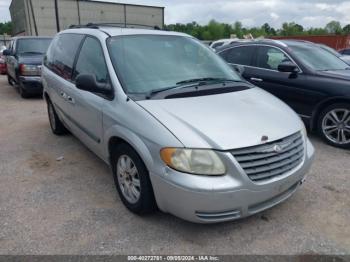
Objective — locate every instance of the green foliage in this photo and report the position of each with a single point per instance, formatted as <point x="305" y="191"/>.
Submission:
<point x="215" y="30"/>
<point x="6" y="28"/>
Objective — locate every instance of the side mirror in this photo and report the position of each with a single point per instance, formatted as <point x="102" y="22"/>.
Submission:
<point x="6" y="52"/>
<point x="238" y="68"/>
<point x="87" y="82"/>
<point x="288" y="67"/>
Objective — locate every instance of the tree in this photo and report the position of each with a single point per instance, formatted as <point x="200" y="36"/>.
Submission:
<point x="333" y="27"/>
<point x="6" y="28"/>
<point x="346" y="29"/>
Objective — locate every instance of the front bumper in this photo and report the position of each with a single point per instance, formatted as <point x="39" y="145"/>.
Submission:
<point x="31" y="84"/>
<point x="210" y="199"/>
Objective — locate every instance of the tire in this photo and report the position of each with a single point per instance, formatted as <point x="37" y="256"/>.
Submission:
<point x="144" y="202"/>
<point x="334" y="125"/>
<point x="22" y="92"/>
<point x="56" y="125"/>
<point x="9" y="80"/>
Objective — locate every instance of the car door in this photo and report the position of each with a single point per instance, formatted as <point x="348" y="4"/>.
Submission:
<point x="85" y="108"/>
<point x="240" y="58"/>
<point x="59" y="60"/>
<point x="292" y="88"/>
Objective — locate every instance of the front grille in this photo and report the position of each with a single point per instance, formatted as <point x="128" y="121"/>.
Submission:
<point x="272" y="159"/>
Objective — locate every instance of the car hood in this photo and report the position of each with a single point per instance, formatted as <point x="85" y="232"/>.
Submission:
<point x="225" y="121"/>
<point x="30" y="59"/>
<point x="338" y="74"/>
<point x="346" y="59"/>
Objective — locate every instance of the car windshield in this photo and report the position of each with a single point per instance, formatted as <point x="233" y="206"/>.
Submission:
<point x="318" y="58"/>
<point x="37" y="45"/>
<point x="145" y="63"/>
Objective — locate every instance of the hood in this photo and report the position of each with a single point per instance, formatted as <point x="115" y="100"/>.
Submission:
<point x="30" y="59"/>
<point x="346" y="59"/>
<point x="225" y="121"/>
<point x="338" y="74"/>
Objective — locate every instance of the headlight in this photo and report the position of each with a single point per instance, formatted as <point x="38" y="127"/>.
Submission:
<point x="193" y="161"/>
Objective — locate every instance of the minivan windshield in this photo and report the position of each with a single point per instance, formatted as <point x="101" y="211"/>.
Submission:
<point x="145" y="63"/>
<point x="317" y="58"/>
<point x="33" y="45"/>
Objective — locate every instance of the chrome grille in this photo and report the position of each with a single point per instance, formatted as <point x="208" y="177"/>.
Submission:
<point x="272" y="159"/>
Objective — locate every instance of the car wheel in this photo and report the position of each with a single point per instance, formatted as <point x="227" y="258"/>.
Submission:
<point x="22" y="92"/>
<point x="334" y="125"/>
<point x="9" y="80"/>
<point x="57" y="126"/>
<point x="132" y="180"/>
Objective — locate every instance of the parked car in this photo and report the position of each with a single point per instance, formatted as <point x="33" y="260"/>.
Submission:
<point x="179" y="128"/>
<point x="2" y="64"/>
<point x="345" y="58"/>
<point x="24" y="59"/>
<point x="222" y="42"/>
<point x="314" y="82"/>
<point x="345" y="51"/>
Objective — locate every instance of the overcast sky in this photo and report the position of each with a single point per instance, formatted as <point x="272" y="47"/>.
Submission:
<point x="309" y="13"/>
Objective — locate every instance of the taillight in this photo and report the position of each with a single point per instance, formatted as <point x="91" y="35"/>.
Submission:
<point x="29" y="70"/>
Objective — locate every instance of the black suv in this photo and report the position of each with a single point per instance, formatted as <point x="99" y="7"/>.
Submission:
<point x="24" y="58"/>
<point x="314" y="82"/>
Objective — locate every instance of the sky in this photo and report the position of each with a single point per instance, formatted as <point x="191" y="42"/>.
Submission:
<point x="308" y="13"/>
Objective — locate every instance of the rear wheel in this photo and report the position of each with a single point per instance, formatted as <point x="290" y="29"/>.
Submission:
<point x="57" y="126"/>
<point x="334" y="125"/>
<point x="9" y="80"/>
<point x="132" y="180"/>
<point x="22" y="92"/>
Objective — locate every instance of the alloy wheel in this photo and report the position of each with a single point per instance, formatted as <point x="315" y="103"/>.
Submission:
<point x="128" y="179"/>
<point x="336" y="126"/>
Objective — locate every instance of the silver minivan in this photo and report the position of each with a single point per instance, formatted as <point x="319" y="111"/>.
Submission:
<point x="180" y="129"/>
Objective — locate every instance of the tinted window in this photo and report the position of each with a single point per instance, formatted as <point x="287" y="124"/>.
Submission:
<point x="61" y="54"/>
<point x="270" y="57"/>
<point x="35" y="45"/>
<point x="239" y="55"/>
<point x="346" y="52"/>
<point x="91" y="60"/>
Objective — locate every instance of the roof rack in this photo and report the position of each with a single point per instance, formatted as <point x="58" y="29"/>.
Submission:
<point x="120" y="25"/>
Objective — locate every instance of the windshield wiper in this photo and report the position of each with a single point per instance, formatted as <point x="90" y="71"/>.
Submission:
<point x="206" y="79"/>
<point x="182" y="84"/>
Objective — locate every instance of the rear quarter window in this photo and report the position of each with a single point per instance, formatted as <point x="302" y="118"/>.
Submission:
<point x="61" y="54"/>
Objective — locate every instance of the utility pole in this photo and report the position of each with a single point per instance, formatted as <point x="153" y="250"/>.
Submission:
<point x="57" y="17"/>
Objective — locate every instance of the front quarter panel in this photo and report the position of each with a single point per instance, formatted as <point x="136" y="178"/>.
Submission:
<point x="130" y="122"/>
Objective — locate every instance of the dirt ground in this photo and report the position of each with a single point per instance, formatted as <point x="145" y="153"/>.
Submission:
<point x="71" y="206"/>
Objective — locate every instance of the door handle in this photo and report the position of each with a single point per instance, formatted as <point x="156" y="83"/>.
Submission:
<point x="70" y="99"/>
<point x="256" y="79"/>
<point x="63" y="95"/>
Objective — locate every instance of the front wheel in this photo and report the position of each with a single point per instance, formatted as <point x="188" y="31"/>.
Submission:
<point x="334" y="125"/>
<point x="132" y="180"/>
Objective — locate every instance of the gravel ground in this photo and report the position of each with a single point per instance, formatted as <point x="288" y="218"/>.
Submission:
<point x="71" y="206"/>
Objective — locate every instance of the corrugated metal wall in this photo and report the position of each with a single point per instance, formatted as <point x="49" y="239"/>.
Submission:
<point x="38" y="16"/>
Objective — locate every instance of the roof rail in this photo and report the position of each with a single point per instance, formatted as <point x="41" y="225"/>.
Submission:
<point x="120" y="25"/>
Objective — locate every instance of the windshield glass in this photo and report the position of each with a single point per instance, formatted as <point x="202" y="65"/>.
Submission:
<point x="318" y="58"/>
<point x="37" y="45"/>
<point x="150" y="62"/>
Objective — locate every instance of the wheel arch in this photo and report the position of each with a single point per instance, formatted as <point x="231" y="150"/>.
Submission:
<point x="126" y="136"/>
<point x="324" y="104"/>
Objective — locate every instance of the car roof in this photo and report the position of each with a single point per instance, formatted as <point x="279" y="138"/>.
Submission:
<point x="118" y="31"/>
<point x="31" y="37"/>
<point x="272" y="42"/>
